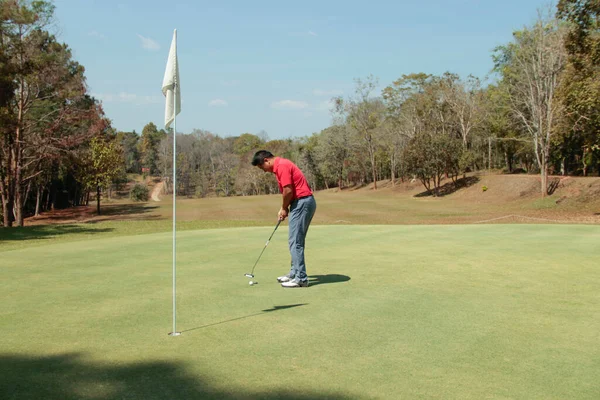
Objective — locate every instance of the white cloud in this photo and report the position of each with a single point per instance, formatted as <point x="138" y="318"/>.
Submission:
<point x="96" y="35"/>
<point x="311" y="33"/>
<point x="218" y="103"/>
<point x="333" y="92"/>
<point x="124" y="97"/>
<point x="289" y="105"/>
<point x="148" y="43"/>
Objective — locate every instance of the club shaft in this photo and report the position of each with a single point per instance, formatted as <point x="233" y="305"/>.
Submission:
<point x="264" y="248"/>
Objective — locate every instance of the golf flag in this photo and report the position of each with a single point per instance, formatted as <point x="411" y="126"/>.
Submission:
<point x="170" y="89"/>
<point x="170" y="86"/>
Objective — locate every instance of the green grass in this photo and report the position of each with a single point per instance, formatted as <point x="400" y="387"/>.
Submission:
<point x="39" y="235"/>
<point x="416" y="312"/>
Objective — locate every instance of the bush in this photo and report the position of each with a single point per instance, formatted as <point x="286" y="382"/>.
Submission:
<point x="484" y="188"/>
<point x="139" y="192"/>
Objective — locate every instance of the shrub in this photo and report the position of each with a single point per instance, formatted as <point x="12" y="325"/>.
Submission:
<point x="139" y="192"/>
<point x="484" y="188"/>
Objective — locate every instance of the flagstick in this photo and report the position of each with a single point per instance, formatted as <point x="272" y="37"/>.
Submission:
<point x="174" y="333"/>
<point x="172" y="72"/>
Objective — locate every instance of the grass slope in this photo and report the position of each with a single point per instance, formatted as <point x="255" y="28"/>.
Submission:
<point x="420" y="312"/>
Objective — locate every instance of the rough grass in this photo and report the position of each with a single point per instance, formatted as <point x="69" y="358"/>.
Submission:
<point x="420" y="312"/>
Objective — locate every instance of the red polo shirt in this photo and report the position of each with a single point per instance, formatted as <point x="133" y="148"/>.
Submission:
<point x="288" y="173"/>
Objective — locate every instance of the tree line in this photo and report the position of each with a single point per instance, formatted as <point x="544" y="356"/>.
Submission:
<point x="51" y="129"/>
<point x="539" y="114"/>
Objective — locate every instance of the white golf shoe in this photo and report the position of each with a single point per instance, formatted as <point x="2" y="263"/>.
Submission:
<point x="284" y="278"/>
<point x="294" y="283"/>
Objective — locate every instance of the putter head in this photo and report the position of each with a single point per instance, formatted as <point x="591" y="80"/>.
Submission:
<point x="249" y="275"/>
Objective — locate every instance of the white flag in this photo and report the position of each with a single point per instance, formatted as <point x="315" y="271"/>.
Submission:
<point x="170" y="86"/>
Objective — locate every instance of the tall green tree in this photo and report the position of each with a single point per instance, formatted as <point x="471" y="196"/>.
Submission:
<point x="149" y="145"/>
<point x="247" y="143"/>
<point x="580" y="91"/>
<point x="48" y="112"/>
<point x="332" y="153"/>
<point x="131" y="155"/>
<point x="102" y="163"/>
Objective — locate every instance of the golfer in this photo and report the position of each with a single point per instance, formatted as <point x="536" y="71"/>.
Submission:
<point x="298" y="203"/>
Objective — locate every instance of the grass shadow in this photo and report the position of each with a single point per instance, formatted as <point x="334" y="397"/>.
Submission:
<point x="314" y="280"/>
<point x="553" y="185"/>
<point x="275" y="308"/>
<point x="87" y="214"/>
<point x="451" y="187"/>
<point x="126" y="209"/>
<point x="72" y="376"/>
<point x="46" y="231"/>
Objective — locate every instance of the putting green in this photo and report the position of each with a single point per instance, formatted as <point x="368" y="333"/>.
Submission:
<point x="452" y="312"/>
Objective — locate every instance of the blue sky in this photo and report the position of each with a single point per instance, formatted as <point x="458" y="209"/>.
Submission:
<point x="248" y="66"/>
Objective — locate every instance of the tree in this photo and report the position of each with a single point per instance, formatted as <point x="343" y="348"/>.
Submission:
<point x="364" y="115"/>
<point x="504" y="128"/>
<point x="465" y="99"/>
<point x="429" y="157"/>
<point x="149" y="143"/>
<point x="531" y="68"/>
<point x="131" y="155"/>
<point x="394" y="141"/>
<point x="580" y="91"/>
<point x="247" y="143"/>
<point x="101" y="165"/>
<point x="48" y="112"/>
<point x="332" y="152"/>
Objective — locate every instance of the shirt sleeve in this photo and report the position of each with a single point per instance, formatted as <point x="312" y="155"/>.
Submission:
<point x="284" y="174"/>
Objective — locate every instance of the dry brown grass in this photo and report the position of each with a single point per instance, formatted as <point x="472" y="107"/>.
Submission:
<point x="508" y="198"/>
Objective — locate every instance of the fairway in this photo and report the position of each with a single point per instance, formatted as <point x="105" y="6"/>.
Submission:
<point x="448" y="312"/>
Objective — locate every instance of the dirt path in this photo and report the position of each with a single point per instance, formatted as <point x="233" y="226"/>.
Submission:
<point x="157" y="191"/>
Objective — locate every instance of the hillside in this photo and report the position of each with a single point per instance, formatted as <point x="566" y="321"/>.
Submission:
<point x="507" y="198"/>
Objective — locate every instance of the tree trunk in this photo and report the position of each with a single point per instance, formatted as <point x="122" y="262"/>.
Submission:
<point x="7" y="205"/>
<point x="374" y="171"/>
<point x="7" y="213"/>
<point x="393" y="169"/>
<point x="47" y="201"/>
<point x="544" y="174"/>
<point x="98" y="199"/>
<point x="18" y="205"/>
<point x="38" y="199"/>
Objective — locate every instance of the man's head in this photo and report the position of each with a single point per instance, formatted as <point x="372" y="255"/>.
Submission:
<point x="264" y="160"/>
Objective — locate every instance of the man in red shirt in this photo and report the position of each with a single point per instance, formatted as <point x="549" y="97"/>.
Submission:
<point x="298" y="203"/>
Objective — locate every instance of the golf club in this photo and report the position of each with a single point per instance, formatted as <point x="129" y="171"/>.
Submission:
<point x="251" y="274"/>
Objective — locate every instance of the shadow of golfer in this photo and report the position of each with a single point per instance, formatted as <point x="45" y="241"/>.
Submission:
<point x="314" y="280"/>
<point x="275" y="308"/>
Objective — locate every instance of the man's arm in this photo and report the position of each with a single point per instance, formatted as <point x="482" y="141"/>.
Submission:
<point x="288" y="196"/>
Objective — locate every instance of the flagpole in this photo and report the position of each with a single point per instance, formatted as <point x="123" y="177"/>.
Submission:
<point x="174" y="332"/>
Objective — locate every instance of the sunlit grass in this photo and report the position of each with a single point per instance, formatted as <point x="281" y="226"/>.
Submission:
<point x="449" y="312"/>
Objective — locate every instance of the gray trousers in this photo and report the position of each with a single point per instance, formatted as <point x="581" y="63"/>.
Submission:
<point x="301" y="213"/>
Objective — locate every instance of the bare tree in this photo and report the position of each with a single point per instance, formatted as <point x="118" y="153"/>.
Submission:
<point x="465" y="99"/>
<point x="532" y="67"/>
<point x="365" y="115"/>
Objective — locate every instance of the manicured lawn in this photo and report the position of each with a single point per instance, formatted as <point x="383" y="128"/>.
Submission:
<point x="415" y="312"/>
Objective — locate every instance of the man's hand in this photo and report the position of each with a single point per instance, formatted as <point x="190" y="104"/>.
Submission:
<point x="282" y="215"/>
